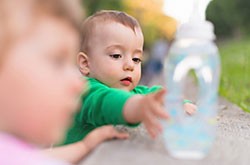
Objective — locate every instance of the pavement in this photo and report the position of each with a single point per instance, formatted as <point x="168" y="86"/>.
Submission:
<point x="231" y="147"/>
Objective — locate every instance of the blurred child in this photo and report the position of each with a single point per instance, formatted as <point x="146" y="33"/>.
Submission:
<point x="39" y="83"/>
<point x="111" y="55"/>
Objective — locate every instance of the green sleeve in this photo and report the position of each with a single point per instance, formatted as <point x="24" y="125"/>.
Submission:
<point x="103" y="105"/>
<point x="140" y="89"/>
<point x="146" y="90"/>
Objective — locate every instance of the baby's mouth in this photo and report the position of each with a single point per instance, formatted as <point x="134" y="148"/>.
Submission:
<point x="126" y="81"/>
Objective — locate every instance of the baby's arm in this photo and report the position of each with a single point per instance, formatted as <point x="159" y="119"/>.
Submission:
<point x="147" y="109"/>
<point x="75" y="152"/>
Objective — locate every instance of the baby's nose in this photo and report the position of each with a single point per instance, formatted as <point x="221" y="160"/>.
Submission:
<point x="128" y="65"/>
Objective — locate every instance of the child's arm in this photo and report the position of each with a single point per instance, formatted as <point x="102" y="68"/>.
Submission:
<point x="147" y="109"/>
<point x="75" y="152"/>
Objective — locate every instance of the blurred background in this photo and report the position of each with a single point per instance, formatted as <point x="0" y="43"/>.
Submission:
<point x="232" y="28"/>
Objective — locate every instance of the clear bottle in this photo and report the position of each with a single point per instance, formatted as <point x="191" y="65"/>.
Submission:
<point x="192" y="136"/>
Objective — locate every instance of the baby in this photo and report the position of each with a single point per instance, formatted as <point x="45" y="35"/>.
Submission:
<point x="39" y="82"/>
<point x="110" y="57"/>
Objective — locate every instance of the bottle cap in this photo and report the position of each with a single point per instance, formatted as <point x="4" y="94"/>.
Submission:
<point x="196" y="29"/>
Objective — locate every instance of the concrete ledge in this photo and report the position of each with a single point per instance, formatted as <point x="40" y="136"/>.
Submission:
<point x="231" y="147"/>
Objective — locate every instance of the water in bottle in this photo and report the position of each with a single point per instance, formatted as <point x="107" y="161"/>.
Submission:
<point x="192" y="136"/>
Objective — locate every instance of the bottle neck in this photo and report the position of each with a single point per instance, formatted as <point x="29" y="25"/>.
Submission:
<point x="196" y="30"/>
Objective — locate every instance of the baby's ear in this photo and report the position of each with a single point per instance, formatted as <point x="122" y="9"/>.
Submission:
<point x="83" y="63"/>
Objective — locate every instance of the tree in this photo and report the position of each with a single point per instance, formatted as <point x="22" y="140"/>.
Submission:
<point x="148" y="12"/>
<point x="230" y="17"/>
<point x="152" y="19"/>
<point x="243" y="13"/>
<point x="91" y="6"/>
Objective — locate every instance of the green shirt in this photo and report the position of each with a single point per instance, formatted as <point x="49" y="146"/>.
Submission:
<point x="102" y="105"/>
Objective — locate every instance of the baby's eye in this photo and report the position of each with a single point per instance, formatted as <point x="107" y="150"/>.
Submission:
<point x="137" y="60"/>
<point x="116" y="56"/>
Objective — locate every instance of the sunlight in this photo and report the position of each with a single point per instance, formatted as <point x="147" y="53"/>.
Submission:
<point x="182" y="10"/>
<point x="178" y="9"/>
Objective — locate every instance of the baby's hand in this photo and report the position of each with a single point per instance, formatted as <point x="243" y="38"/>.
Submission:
<point x="190" y="108"/>
<point x="151" y="108"/>
<point x="101" y="134"/>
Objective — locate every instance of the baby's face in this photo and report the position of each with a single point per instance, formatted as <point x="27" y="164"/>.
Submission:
<point x="115" y="56"/>
<point x="39" y="82"/>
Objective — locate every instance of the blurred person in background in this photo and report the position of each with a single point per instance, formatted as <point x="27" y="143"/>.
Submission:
<point x="39" y="83"/>
<point x="154" y="66"/>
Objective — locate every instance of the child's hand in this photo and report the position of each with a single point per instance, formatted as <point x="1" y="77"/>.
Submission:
<point x="81" y="148"/>
<point x="190" y="108"/>
<point x="101" y="134"/>
<point x="147" y="109"/>
<point x="152" y="110"/>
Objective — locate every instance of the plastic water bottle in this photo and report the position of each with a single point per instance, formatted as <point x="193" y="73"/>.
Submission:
<point x="192" y="136"/>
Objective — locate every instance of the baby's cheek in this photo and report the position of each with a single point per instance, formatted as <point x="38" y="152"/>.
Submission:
<point x="111" y="72"/>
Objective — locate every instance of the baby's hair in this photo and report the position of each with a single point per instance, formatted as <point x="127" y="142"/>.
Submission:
<point x="16" y="17"/>
<point x="101" y="17"/>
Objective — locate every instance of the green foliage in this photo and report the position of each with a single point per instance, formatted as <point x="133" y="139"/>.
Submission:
<point x="222" y="14"/>
<point x="235" y="77"/>
<point x="243" y="12"/>
<point x="230" y="17"/>
<point x="91" y="6"/>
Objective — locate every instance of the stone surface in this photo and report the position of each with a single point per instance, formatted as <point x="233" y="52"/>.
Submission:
<point x="231" y="146"/>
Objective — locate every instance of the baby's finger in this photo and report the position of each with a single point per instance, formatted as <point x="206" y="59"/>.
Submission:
<point x="153" y="122"/>
<point x="159" y="95"/>
<point x="151" y="131"/>
<point x="159" y="112"/>
<point x="111" y="133"/>
<point x="120" y="135"/>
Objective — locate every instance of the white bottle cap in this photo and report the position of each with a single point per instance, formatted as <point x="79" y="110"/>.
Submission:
<point x="196" y="29"/>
